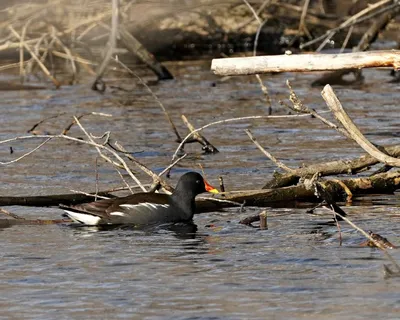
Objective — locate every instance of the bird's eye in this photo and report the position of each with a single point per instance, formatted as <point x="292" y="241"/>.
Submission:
<point x="197" y="181"/>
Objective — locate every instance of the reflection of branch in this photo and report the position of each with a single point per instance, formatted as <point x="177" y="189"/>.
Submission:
<point x="207" y="146"/>
<point x="31" y="130"/>
<point x="340" y="114"/>
<point x="336" y="210"/>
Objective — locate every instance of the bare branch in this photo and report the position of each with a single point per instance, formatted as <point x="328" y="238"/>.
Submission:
<point x="269" y="155"/>
<point x="341" y="115"/>
<point x="226" y="121"/>
<point x="26" y="154"/>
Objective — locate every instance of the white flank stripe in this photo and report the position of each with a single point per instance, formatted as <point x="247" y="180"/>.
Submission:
<point x="147" y="205"/>
<point x="117" y="213"/>
<point x="83" y="218"/>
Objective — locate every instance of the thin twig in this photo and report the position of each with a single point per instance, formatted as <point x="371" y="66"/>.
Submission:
<point x="230" y="120"/>
<point x="355" y="19"/>
<point x="148" y="171"/>
<point x="172" y="165"/>
<point x="8" y="213"/>
<point x="300" y="107"/>
<point x="98" y="147"/>
<point x="26" y="154"/>
<point x="253" y="11"/>
<point x="34" y="56"/>
<point x="365" y="234"/>
<point x="123" y="179"/>
<point x="346" y="40"/>
<point x="112" y="43"/>
<point x="302" y="24"/>
<point x="207" y="146"/>
<point x="95" y="195"/>
<point x="45" y="119"/>
<point x="97" y="178"/>
<point x="339" y="230"/>
<point x="269" y="155"/>
<point x="261" y="23"/>
<point x="174" y="129"/>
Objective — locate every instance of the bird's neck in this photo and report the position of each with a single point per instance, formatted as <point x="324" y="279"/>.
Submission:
<point x="186" y="202"/>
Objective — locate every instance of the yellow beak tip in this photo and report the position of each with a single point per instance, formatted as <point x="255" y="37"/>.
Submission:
<point x="215" y="191"/>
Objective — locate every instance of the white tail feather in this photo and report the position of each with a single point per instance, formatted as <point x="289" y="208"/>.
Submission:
<point x="84" y="218"/>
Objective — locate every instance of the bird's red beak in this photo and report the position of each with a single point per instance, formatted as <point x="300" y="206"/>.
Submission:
<point x="210" y="188"/>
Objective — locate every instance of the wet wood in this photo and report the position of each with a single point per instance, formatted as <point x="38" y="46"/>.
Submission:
<point x="6" y="223"/>
<point x="329" y="168"/>
<point x="49" y="200"/>
<point x="263" y="220"/>
<point x="305" y="62"/>
<point x="249" y="220"/>
<point x="384" y="242"/>
<point x="9" y="86"/>
<point x="207" y="146"/>
<point x="380" y="183"/>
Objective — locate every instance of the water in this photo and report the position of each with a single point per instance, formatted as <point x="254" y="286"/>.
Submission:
<point x="223" y="270"/>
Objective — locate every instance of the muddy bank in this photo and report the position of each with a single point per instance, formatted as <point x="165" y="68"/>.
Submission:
<point x="176" y="30"/>
<point x="231" y="29"/>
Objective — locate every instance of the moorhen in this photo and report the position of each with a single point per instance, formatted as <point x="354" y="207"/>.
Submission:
<point x="144" y="208"/>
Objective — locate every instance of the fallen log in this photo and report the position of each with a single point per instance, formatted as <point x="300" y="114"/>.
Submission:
<point x="49" y="200"/>
<point x="381" y="183"/>
<point x="305" y="62"/>
<point x="386" y="182"/>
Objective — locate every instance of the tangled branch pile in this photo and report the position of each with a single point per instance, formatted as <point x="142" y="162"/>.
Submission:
<point x="46" y="35"/>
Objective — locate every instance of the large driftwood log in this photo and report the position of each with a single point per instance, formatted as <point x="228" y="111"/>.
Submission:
<point x="49" y="200"/>
<point x="380" y="183"/>
<point x="305" y="62"/>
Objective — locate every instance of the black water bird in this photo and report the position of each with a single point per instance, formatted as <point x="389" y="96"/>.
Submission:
<point x="144" y="208"/>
